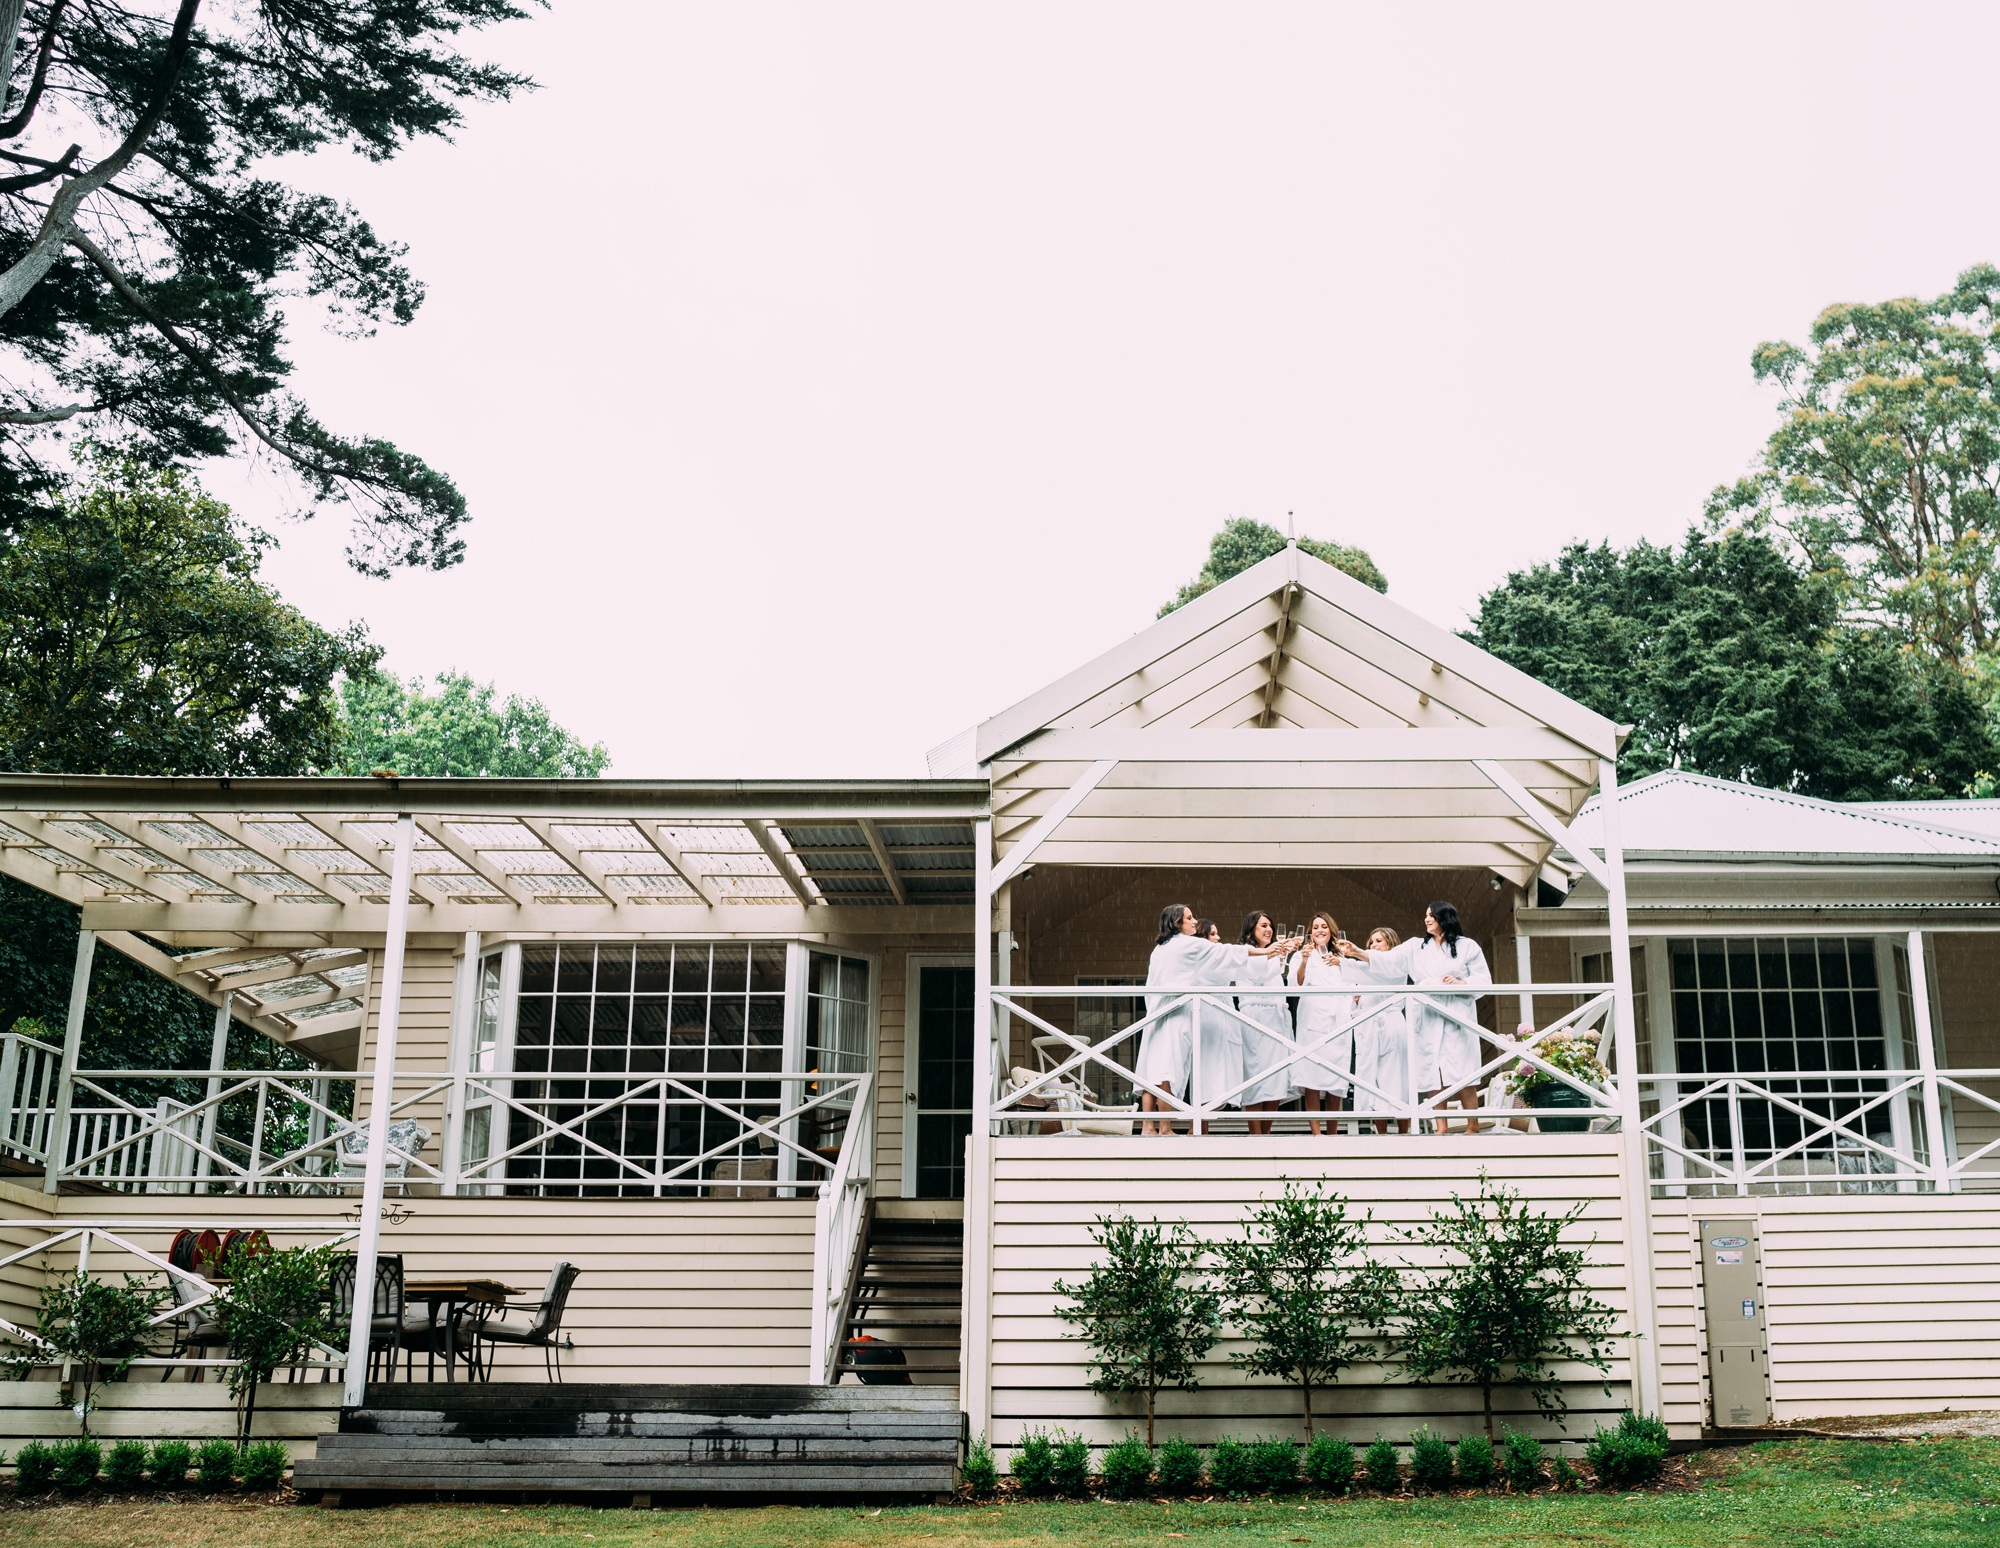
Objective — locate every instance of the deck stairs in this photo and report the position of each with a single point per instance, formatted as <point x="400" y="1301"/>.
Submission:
<point x="639" y="1443"/>
<point x="909" y="1298"/>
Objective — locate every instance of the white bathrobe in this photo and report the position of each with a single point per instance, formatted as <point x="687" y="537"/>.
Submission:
<point x="1263" y="1050"/>
<point x="1381" y="1038"/>
<point x="1166" y="1051"/>
<point x="1320" y="1014"/>
<point x="1445" y="1052"/>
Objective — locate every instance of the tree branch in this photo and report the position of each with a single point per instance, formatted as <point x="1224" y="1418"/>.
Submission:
<point x="59" y="225"/>
<point x="190" y="351"/>
<point x="49" y="173"/>
<point x="46" y="416"/>
<point x="26" y="110"/>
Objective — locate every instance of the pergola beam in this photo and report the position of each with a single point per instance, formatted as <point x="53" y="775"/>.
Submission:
<point x="1546" y="820"/>
<point x="436" y="830"/>
<point x="684" y="868"/>
<point x="883" y="859"/>
<point x="572" y="856"/>
<point x="1024" y="848"/>
<point x="774" y="852"/>
<point x="183" y="855"/>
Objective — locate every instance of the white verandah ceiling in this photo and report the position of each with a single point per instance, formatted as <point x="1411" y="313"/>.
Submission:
<point x="1292" y="717"/>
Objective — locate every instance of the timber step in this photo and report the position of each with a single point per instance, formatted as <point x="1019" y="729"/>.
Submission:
<point x="739" y="1440"/>
<point x="904" y="1319"/>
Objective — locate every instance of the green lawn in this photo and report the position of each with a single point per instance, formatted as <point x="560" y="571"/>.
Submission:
<point x="1912" y="1494"/>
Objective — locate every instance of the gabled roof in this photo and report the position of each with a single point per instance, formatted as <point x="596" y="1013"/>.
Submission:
<point x="1290" y="716"/>
<point x="1674" y="812"/>
<point x="1294" y="643"/>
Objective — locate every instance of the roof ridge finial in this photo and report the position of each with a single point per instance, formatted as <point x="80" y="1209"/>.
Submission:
<point x="1291" y="537"/>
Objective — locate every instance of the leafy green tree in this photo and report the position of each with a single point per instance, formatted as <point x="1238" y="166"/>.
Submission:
<point x="462" y="728"/>
<point x="138" y="639"/>
<point x="1730" y="657"/>
<point x="273" y="1311"/>
<point x="1301" y="1285"/>
<point x="1143" y="1310"/>
<point x="1886" y="461"/>
<point x="148" y="249"/>
<point x="1501" y="1301"/>
<point x="1243" y="542"/>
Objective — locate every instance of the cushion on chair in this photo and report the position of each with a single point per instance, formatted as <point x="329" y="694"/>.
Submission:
<point x="503" y="1332"/>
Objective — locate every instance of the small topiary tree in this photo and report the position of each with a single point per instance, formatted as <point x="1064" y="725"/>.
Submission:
<point x="1070" y="1470"/>
<point x="77" y="1462"/>
<point x="1329" y="1464"/>
<point x="273" y="1310"/>
<point x="215" y="1463"/>
<point x="1521" y="1460"/>
<point x="1231" y="1469"/>
<point x="34" y="1468"/>
<point x="1506" y="1304"/>
<point x="1179" y="1466"/>
<point x="1430" y="1460"/>
<point x="125" y="1465"/>
<point x="1127" y="1469"/>
<point x="1475" y="1461"/>
<point x="170" y="1463"/>
<point x="264" y="1465"/>
<point x="1301" y="1285"/>
<point x="1147" y="1318"/>
<point x="1034" y="1463"/>
<point x="1379" y="1462"/>
<point x="978" y="1473"/>
<point x="95" y="1327"/>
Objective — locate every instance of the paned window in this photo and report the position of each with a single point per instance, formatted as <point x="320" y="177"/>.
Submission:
<point x="1802" y="1015"/>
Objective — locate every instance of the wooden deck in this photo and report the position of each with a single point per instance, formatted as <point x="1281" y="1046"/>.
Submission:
<point x="642" y="1442"/>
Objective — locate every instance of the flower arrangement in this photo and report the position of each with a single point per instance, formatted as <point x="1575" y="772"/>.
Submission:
<point x="1574" y="1053"/>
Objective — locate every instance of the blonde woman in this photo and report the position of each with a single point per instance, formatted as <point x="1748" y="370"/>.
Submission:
<point x="1324" y="1022"/>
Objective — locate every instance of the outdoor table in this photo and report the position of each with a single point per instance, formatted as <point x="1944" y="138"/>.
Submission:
<point x="446" y="1296"/>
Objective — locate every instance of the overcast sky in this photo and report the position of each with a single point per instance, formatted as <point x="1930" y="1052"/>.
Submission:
<point x="826" y="377"/>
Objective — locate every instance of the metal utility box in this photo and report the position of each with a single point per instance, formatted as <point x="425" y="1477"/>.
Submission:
<point x="1732" y="1288"/>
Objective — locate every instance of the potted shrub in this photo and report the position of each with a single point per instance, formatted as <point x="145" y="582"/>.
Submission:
<point x="1575" y="1054"/>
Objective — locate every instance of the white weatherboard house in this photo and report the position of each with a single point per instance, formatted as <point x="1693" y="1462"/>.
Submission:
<point x="778" y="1064"/>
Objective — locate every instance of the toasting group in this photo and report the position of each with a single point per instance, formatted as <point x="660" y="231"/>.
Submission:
<point x="1395" y="1045"/>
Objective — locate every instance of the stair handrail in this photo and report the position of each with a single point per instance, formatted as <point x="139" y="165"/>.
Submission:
<point x="837" y="1226"/>
<point x="864" y="1243"/>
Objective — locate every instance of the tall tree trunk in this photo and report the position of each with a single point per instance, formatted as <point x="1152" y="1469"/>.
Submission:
<point x="1306" y="1396"/>
<point x="1486" y="1398"/>
<point x="249" y="1413"/>
<point x="1151" y="1393"/>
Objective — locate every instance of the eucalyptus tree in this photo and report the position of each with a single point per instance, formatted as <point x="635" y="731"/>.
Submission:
<point x="1886" y="461"/>
<point x="149" y="242"/>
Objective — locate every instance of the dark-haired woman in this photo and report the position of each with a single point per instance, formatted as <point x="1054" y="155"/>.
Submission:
<point x="1182" y="959"/>
<point x="1268" y="1042"/>
<point x="1445" y="1051"/>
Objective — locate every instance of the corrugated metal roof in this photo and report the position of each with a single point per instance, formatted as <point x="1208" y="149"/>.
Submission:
<point x="1677" y="812"/>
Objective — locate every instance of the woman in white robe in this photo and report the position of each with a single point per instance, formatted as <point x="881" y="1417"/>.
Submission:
<point x="1382" y="1033"/>
<point x="1445" y="1051"/>
<point x="1325" y="1023"/>
<point x="1181" y="961"/>
<point x="1267" y="1043"/>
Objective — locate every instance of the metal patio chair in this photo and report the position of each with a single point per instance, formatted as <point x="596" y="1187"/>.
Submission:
<point x="541" y="1330"/>
<point x="385" y="1328"/>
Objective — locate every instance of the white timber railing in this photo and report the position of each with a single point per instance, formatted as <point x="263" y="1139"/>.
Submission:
<point x="1767" y="1132"/>
<point x="717" y="1134"/>
<point x="1074" y="1084"/>
<point x="63" y="1247"/>
<point x="30" y="1071"/>
<point x="843" y="1208"/>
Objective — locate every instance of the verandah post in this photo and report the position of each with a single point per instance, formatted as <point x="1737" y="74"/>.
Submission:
<point x="465" y="1015"/>
<point x="381" y="1100"/>
<point x="218" y="1059"/>
<point x="975" y="1358"/>
<point x="1920" y="1004"/>
<point x="1637" y="1178"/>
<point x="79" y="994"/>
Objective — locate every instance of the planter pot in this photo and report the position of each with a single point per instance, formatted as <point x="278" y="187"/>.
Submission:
<point x="1550" y="1093"/>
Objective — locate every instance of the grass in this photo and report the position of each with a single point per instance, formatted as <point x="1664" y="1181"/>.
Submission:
<point x="1914" y="1494"/>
